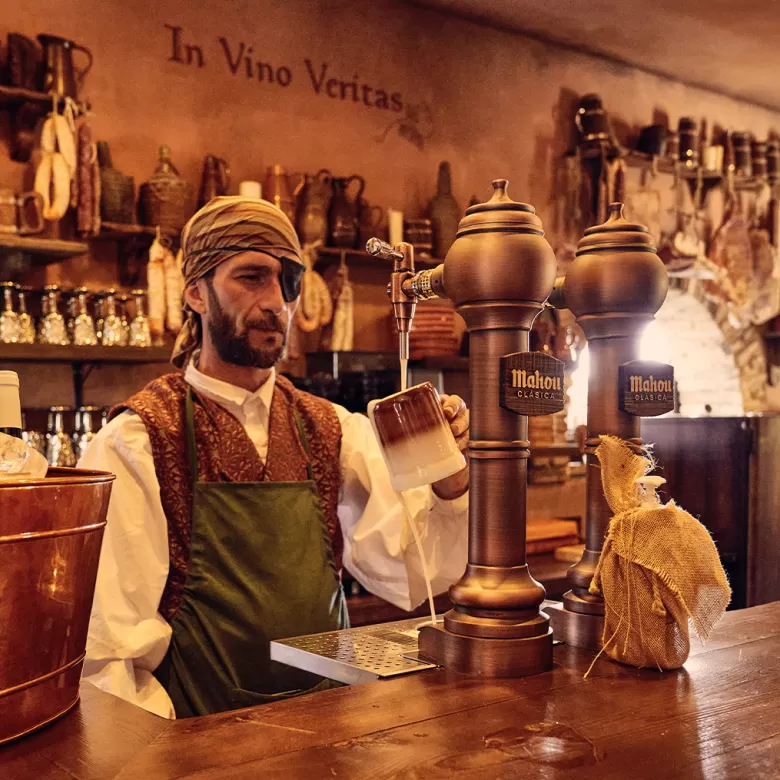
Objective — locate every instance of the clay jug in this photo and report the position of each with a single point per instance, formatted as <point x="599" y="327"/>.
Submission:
<point x="277" y="190"/>
<point x="215" y="180"/>
<point x="313" y="212"/>
<point x="445" y="213"/>
<point x="344" y="215"/>
<point x="371" y="222"/>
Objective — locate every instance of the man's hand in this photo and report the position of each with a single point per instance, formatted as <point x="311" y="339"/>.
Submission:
<point x="458" y="417"/>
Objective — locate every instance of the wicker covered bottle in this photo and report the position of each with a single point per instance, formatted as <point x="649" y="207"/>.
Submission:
<point x="166" y="199"/>
<point x="117" y="190"/>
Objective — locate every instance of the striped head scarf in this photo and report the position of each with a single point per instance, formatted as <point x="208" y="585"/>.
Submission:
<point x="225" y="227"/>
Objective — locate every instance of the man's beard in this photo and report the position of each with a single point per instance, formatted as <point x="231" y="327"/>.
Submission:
<point x="235" y="347"/>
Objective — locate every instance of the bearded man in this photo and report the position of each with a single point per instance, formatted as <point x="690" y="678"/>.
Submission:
<point x="239" y="498"/>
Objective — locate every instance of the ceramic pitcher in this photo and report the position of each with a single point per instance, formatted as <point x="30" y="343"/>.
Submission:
<point x="344" y="216"/>
<point x="315" y="198"/>
<point x="60" y="76"/>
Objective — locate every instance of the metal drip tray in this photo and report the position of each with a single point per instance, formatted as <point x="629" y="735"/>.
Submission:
<point x="356" y="655"/>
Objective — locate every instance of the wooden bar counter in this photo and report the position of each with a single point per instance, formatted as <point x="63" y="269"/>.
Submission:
<point x="717" y="718"/>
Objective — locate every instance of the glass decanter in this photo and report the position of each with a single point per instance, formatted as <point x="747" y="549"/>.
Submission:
<point x="140" y="335"/>
<point x="59" y="447"/>
<point x="98" y="301"/>
<point x="52" y="328"/>
<point x="26" y="322"/>
<point x="84" y="428"/>
<point x="84" y="334"/>
<point x="9" y="319"/>
<point x="113" y="330"/>
<point x="69" y="299"/>
<point x="34" y="438"/>
<point x="121" y="310"/>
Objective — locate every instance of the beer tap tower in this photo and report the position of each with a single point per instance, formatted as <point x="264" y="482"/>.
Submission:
<point x="614" y="287"/>
<point x="499" y="272"/>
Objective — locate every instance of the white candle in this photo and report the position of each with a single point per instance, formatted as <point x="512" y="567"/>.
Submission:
<point x="250" y="189"/>
<point x="395" y="224"/>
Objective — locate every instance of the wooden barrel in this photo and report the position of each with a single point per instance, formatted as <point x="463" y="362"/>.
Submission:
<point x="51" y="530"/>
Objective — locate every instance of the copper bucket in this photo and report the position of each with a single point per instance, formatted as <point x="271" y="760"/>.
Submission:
<point x="50" y="535"/>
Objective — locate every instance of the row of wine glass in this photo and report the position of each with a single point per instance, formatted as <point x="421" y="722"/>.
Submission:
<point x="91" y="318"/>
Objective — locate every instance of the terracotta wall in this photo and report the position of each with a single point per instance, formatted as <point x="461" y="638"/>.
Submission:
<point x="492" y="103"/>
<point x="494" y="99"/>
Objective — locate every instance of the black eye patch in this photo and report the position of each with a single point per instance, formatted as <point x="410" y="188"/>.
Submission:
<point x="290" y="278"/>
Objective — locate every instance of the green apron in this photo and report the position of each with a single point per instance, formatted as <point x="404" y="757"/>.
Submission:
<point x="260" y="568"/>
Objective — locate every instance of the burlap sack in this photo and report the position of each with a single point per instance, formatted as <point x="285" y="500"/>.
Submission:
<point x="658" y="570"/>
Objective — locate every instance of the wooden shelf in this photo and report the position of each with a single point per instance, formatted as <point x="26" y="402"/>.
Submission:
<point x="710" y="178"/>
<point x="47" y="353"/>
<point x="18" y="95"/>
<point x="331" y="253"/>
<point x="42" y="247"/>
<point x="122" y="231"/>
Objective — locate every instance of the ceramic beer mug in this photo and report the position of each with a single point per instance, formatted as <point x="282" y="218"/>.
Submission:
<point x="21" y="214"/>
<point x="415" y="438"/>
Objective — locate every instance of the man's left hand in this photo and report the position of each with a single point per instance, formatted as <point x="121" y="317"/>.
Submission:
<point x="458" y="417"/>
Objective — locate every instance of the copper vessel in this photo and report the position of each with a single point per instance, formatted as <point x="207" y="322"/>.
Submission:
<point x="51" y="530"/>
<point x="60" y="75"/>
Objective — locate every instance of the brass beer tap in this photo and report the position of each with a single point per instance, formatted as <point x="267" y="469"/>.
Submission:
<point x="406" y="287"/>
<point x="498" y="272"/>
<point x="614" y="287"/>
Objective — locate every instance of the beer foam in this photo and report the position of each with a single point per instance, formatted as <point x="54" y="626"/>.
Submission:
<point x="422" y="459"/>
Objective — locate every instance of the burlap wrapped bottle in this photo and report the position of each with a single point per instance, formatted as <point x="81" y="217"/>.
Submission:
<point x="659" y="568"/>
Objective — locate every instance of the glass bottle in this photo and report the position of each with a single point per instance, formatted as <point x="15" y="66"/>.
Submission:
<point x="34" y="438"/>
<point x="140" y="335"/>
<point x="84" y="334"/>
<point x="99" y="299"/>
<point x="10" y="406"/>
<point x="14" y="453"/>
<point x="9" y="319"/>
<point x="84" y="428"/>
<point x="26" y="322"/>
<point x="69" y="299"/>
<point x="113" y="330"/>
<point x="445" y="213"/>
<point x="52" y="328"/>
<point x="59" y="448"/>
<point x="42" y="318"/>
<point x="121" y="310"/>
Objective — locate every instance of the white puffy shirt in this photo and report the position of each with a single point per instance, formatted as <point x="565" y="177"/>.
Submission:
<point x="128" y="637"/>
